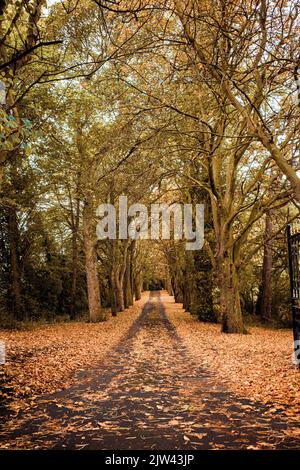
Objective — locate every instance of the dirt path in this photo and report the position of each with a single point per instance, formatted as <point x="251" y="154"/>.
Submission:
<point x="149" y="393"/>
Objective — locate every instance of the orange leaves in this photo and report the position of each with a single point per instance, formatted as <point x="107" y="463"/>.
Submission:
<point x="193" y="388"/>
<point x="47" y="358"/>
<point x="257" y="366"/>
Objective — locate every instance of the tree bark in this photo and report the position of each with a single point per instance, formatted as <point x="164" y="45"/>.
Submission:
<point x="176" y="286"/>
<point x="231" y="313"/>
<point x="186" y="292"/>
<point x="128" y="297"/>
<point x="113" y="298"/>
<point x="266" y="287"/>
<point x="16" y="290"/>
<point x="118" y="282"/>
<point x="120" y="295"/>
<point x="202" y="299"/>
<point x="137" y="286"/>
<point x="95" y="312"/>
<point x="74" y="261"/>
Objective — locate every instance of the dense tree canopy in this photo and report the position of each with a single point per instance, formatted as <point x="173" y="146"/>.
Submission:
<point x="161" y="101"/>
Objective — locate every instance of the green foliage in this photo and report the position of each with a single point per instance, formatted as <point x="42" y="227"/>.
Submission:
<point x="108" y="113"/>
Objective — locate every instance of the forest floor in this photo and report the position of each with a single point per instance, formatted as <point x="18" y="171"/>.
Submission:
<point x="152" y="378"/>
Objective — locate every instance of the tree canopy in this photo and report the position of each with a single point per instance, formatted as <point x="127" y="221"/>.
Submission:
<point x="166" y="101"/>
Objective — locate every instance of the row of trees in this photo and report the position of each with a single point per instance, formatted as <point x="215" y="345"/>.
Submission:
<point x="174" y="101"/>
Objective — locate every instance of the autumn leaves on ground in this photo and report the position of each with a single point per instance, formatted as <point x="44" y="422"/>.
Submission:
<point x="152" y="378"/>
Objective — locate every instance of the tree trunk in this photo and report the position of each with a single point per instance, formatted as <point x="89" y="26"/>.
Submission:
<point x="93" y="288"/>
<point x="186" y="292"/>
<point x="231" y="313"/>
<point x="176" y="286"/>
<point x="137" y="286"/>
<point x="202" y="298"/>
<point x="168" y="286"/>
<point x="3" y="157"/>
<point x="74" y="262"/>
<point x="74" y="277"/>
<point x="266" y="288"/>
<point x="132" y="275"/>
<point x="120" y="275"/>
<point x="16" y="290"/>
<point x="120" y="295"/>
<point x="113" y="297"/>
<point x="117" y="286"/>
<point x="128" y="297"/>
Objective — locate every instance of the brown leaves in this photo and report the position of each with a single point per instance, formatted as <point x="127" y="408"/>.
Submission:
<point x="197" y="389"/>
<point x="47" y="359"/>
<point x="256" y="366"/>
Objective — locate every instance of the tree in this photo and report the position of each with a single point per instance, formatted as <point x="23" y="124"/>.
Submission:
<point x="251" y="57"/>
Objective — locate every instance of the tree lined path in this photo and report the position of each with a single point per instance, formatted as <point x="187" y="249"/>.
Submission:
<point x="122" y="123"/>
<point x="149" y="393"/>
